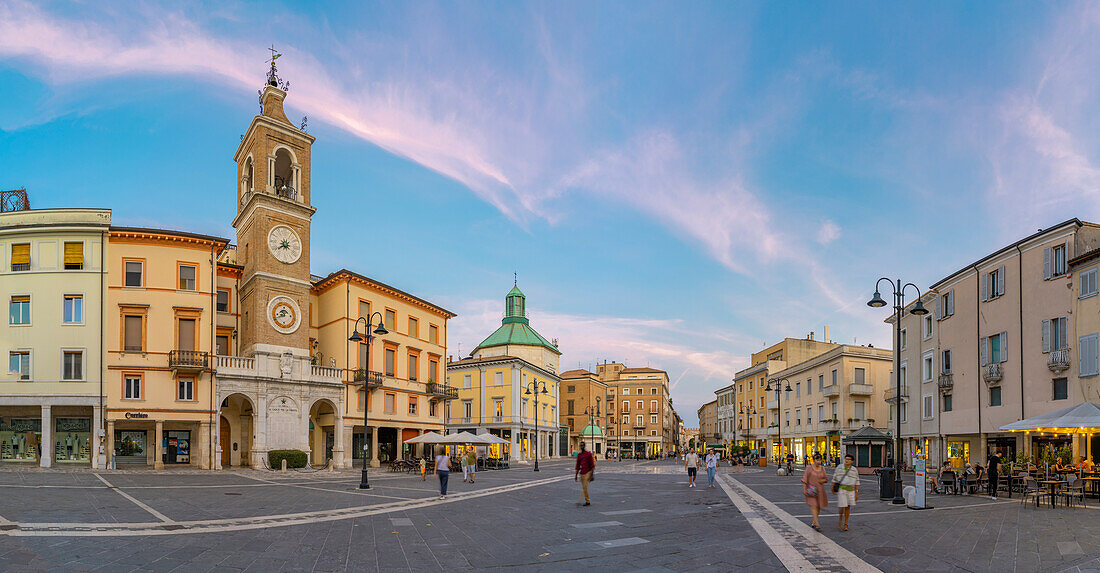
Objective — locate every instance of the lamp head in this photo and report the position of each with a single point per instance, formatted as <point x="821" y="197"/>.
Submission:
<point x="876" y="301"/>
<point x="918" y="309"/>
<point x="381" y="330"/>
<point x="355" y="336"/>
<point x="528" y="392"/>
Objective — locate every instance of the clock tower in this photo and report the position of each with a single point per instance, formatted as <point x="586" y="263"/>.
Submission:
<point x="272" y="222"/>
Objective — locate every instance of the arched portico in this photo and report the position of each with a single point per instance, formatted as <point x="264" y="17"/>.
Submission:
<point x="326" y="433"/>
<point x="236" y="431"/>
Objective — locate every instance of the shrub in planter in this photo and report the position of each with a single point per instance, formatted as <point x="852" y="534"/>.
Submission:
<point x="294" y="458"/>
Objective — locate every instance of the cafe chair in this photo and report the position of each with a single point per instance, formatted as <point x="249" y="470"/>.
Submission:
<point x="1031" y="489"/>
<point x="1073" y="490"/>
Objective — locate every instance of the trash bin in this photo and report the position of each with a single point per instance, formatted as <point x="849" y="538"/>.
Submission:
<point x="885" y="483"/>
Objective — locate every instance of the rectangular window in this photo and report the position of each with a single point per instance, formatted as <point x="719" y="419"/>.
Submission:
<point x="926" y="406"/>
<point x="1061" y="388"/>
<point x="412" y="406"/>
<point x="821" y="382"/>
<point x="788" y="418"/>
<point x="391" y="357"/>
<point x="74" y="256"/>
<point x="433" y="334"/>
<point x="994" y="348"/>
<point x="860" y="375"/>
<point x="391" y="320"/>
<point x="433" y="369"/>
<point x="21" y="257"/>
<point x="926" y="367"/>
<point x="134" y="274"/>
<point x="498" y="407"/>
<point x="1087" y="283"/>
<point x="809" y="416"/>
<point x="132" y="333"/>
<point x="995" y="396"/>
<point x="653" y="406"/>
<point x="653" y="419"/>
<point x="186" y="389"/>
<point x="414" y="327"/>
<point x="364" y="309"/>
<point x="640" y="420"/>
<point x="859" y="411"/>
<point x="927" y="323"/>
<point x="945" y="304"/>
<point x="904" y="411"/>
<point x="414" y="367"/>
<point x="1056" y="334"/>
<point x="19" y="363"/>
<point x="798" y="389"/>
<point x="188" y="277"/>
<point x="1054" y="261"/>
<point x="222" y="345"/>
<point x="993" y="284"/>
<point x="945" y="361"/>
<point x="73" y="309"/>
<point x="19" y="310"/>
<point x="185" y="339"/>
<point x="432" y="410"/>
<point x="466" y="380"/>
<point x="947" y="402"/>
<point x="904" y="338"/>
<point x="821" y="411"/>
<point x="467" y="409"/>
<point x="498" y="378"/>
<point x="834" y="377"/>
<point x="131" y="387"/>
<point x="223" y="300"/>
<point x="72" y="365"/>
<point x="809" y="386"/>
<point x="1088" y="355"/>
<point x="390" y="399"/>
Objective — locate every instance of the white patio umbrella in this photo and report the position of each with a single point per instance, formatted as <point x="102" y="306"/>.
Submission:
<point x="426" y="438"/>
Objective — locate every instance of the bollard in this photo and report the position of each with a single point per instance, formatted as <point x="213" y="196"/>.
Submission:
<point x="284" y="465"/>
<point x="331" y="466"/>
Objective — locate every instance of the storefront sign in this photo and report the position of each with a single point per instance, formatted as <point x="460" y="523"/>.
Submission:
<point x="22" y="425"/>
<point x="136" y="415"/>
<point x="74" y="425"/>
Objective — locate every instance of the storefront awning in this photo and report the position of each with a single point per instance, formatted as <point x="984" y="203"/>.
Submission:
<point x="1081" y="417"/>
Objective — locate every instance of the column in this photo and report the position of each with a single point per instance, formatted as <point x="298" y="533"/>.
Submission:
<point x="97" y="441"/>
<point x="374" y="447"/>
<point x="109" y="451"/>
<point x="158" y="449"/>
<point x="513" y="449"/>
<point x="399" y="449"/>
<point x="203" y="442"/>
<point x="47" y="437"/>
<point x="419" y="449"/>
<point x="338" y="442"/>
<point x="256" y="438"/>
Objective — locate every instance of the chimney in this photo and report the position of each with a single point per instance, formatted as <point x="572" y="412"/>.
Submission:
<point x="811" y="335"/>
<point x="826" y="334"/>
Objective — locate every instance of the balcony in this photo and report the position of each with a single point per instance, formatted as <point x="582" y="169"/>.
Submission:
<point x="368" y="378"/>
<point x="993" y="373"/>
<point x="831" y="391"/>
<point x="188" y="360"/>
<point x="441" y="390"/>
<point x="773" y="405"/>
<point x="860" y="389"/>
<point x="827" y="425"/>
<point x="1058" y="360"/>
<point x="637" y="425"/>
<point x="946" y="381"/>
<point x="891" y="394"/>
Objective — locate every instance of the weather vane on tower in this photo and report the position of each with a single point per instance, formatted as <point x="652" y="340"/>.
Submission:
<point x="273" y="78"/>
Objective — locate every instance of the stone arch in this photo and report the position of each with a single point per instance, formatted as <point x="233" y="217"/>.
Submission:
<point x="237" y="423"/>
<point x="324" y="431"/>
<point x="285" y="173"/>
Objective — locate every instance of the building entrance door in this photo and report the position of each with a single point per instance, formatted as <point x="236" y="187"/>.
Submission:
<point x="225" y="440"/>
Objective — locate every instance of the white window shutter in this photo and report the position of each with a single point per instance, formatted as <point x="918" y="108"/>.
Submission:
<point x="1046" y="336"/>
<point x="1063" y="334"/>
<point x="939" y="307"/>
<point x="1046" y="263"/>
<point x="1094" y="354"/>
<point x="1004" y="347"/>
<point x="1001" y="281"/>
<point x="984" y="351"/>
<point x="985" y="285"/>
<point x="951" y="302"/>
<point x="1083" y="355"/>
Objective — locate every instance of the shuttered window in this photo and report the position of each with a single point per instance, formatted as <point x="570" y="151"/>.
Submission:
<point x="186" y="338"/>
<point x="21" y="257"/>
<point x="1088" y="355"/>
<point x="19" y="310"/>
<point x="1088" y="286"/>
<point x="1056" y="334"/>
<point x="72" y="365"/>
<point x="133" y="272"/>
<point x="188" y="275"/>
<point x="132" y="335"/>
<point x="74" y="256"/>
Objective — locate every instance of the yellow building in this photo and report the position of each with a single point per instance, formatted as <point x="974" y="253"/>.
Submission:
<point x="709" y="436"/>
<point x="51" y="264"/>
<point x="584" y="404"/>
<point x="509" y="387"/>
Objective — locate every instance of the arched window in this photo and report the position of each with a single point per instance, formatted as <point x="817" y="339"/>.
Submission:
<point x="284" y="174"/>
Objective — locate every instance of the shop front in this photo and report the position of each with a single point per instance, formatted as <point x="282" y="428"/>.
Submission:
<point x="20" y="439"/>
<point x="72" y="440"/>
<point x="136" y="439"/>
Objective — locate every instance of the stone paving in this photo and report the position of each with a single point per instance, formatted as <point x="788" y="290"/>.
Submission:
<point x="643" y="518"/>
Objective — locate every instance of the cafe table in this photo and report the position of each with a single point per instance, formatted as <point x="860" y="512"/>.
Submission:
<point x="1053" y="483"/>
<point x="1094" y="481"/>
<point x="1012" y="481"/>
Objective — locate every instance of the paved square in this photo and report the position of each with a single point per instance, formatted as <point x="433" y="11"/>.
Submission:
<point x="514" y="519"/>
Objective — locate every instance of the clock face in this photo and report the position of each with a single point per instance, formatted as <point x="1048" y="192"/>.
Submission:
<point x="283" y="314"/>
<point x="284" y="244"/>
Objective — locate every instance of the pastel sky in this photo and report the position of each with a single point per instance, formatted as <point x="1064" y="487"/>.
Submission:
<point x="676" y="184"/>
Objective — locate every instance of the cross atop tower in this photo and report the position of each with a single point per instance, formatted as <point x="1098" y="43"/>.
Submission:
<point x="273" y="73"/>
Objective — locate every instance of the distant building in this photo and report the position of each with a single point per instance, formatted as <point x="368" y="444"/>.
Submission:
<point x="641" y="421"/>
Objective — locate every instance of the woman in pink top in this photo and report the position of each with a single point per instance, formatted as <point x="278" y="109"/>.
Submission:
<point x="813" y="487"/>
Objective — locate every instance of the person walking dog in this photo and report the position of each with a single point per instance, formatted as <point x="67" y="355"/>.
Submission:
<point x="585" y="471"/>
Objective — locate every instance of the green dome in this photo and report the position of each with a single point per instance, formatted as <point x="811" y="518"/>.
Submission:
<point x="515" y="292"/>
<point x="515" y="328"/>
<point x="591" y="430"/>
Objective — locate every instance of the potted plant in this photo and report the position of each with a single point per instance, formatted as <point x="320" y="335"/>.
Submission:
<point x="430" y="385"/>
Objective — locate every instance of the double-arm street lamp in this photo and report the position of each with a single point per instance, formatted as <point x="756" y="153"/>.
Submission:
<point x="779" y="416"/>
<point x="593" y="413"/>
<point x="535" y="385"/>
<point x="380" y="330"/>
<point x="899" y="310"/>
<point x="737" y="423"/>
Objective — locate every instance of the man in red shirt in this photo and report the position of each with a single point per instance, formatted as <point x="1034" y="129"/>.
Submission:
<point x="586" y="464"/>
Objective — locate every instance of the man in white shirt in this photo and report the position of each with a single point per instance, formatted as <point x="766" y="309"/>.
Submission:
<point x="847" y="476"/>
<point x="691" y="462"/>
<point x="712" y="465"/>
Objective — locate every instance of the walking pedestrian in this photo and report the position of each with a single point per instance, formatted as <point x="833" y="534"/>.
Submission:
<point x="423" y="469"/>
<point x="585" y="471"/>
<point x="471" y="463"/>
<point x="813" y="487"/>
<point x="846" y="486"/>
<point x="712" y="466"/>
<point x="443" y="471"/>
<point x="993" y="469"/>
<point x="691" y="462"/>
<point x="465" y="472"/>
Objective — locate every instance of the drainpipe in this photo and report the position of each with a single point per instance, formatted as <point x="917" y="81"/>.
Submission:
<point x="102" y="355"/>
<point x="214" y="348"/>
<point x="1020" y="286"/>
<point x="978" y="331"/>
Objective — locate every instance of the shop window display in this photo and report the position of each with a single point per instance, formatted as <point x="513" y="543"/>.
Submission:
<point x="130" y="444"/>
<point x="19" y="439"/>
<point x="958" y="453"/>
<point x="72" y="439"/>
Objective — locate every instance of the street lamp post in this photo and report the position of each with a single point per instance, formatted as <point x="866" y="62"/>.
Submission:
<point x="779" y="417"/>
<point x="380" y="330"/>
<point x="592" y="414"/>
<point x="535" y="384"/>
<point x="899" y="310"/>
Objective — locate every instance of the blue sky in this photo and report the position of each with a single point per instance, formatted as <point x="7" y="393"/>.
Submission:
<point x="676" y="186"/>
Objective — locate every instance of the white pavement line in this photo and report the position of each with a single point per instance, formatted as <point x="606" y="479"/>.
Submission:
<point x="845" y="558"/>
<point x="626" y="511"/>
<point x="352" y="492"/>
<point x="152" y="511"/>
<point x="787" y="554"/>
<point x="595" y="524"/>
<point x="250" y="523"/>
<point x="914" y="513"/>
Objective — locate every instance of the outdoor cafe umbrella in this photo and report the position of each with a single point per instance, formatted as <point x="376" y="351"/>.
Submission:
<point x="426" y="438"/>
<point x="1074" y="419"/>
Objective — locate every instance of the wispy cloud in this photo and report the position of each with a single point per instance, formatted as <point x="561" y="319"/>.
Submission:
<point x="828" y="232"/>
